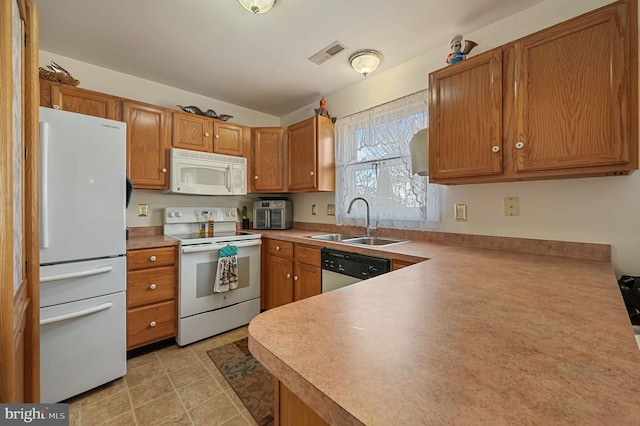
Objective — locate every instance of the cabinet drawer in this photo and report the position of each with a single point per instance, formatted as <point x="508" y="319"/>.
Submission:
<point x="151" y="258"/>
<point x="307" y="254"/>
<point x="151" y="324"/>
<point x="280" y="248"/>
<point x="151" y="286"/>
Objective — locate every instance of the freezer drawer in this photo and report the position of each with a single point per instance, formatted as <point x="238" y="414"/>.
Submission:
<point x="82" y="346"/>
<point x="68" y="282"/>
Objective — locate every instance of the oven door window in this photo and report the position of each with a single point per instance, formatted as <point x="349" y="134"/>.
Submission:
<point x="276" y="219"/>
<point x="197" y="274"/>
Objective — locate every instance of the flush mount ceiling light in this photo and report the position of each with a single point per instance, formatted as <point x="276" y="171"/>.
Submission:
<point x="257" y="6"/>
<point x="365" y="61"/>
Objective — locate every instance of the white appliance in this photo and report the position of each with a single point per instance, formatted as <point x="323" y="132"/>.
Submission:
<point x="82" y="253"/>
<point x="202" y="173"/>
<point x="202" y="312"/>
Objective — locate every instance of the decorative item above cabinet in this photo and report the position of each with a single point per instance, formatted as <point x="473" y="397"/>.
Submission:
<point x="572" y="115"/>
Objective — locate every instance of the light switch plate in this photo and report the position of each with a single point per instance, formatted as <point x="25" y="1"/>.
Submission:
<point x="331" y="209"/>
<point x="461" y="212"/>
<point x="511" y="206"/>
<point x="143" y="210"/>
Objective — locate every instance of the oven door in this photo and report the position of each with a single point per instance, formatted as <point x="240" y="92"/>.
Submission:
<point x="198" y="268"/>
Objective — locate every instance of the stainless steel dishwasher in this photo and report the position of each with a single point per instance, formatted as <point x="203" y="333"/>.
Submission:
<point x="341" y="268"/>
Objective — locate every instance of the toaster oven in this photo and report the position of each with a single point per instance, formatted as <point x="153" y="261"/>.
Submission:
<point x="272" y="214"/>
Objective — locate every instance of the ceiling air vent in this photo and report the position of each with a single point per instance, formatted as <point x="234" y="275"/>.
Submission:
<point x="327" y="53"/>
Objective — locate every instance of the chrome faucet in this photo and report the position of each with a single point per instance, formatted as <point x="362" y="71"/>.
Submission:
<point x="369" y="227"/>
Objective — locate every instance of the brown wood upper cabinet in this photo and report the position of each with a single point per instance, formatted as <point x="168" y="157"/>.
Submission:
<point x="82" y="101"/>
<point x="311" y="155"/>
<point x="268" y="160"/>
<point x="205" y="134"/>
<point x="148" y="143"/>
<point x="574" y="113"/>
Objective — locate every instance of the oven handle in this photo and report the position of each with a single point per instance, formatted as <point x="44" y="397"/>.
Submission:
<point x="218" y="246"/>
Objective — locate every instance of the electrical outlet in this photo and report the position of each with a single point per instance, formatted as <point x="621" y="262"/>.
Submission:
<point x="461" y="212"/>
<point x="331" y="209"/>
<point x="511" y="206"/>
<point x="314" y="209"/>
<point x="143" y="210"/>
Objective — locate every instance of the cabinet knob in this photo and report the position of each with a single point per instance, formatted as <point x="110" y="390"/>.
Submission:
<point x="206" y="134"/>
<point x="288" y="275"/>
<point x="310" y="173"/>
<point x="295" y="278"/>
<point x="520" y="145"/>
<point x="278" y="248"/>
<point x="152" y="324"/>
<point x="496" y="148"/>
<point x="164" y="170"/>
<point x="153" y="286"/>
<point x="255" y="177"/>
<point x="56" y="107"/>
<point x="217" y="136"/>
<point x="153" y="258"/>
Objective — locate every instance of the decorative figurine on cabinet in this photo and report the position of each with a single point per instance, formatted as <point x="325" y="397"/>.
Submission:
<point x="323" y="108"/>
<point x="457" y="54"/>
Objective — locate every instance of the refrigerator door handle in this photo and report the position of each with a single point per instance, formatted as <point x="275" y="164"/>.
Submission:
<point x="77" y="314"/>
<point x="44" y="184"/>
<point x="79" y="274"/>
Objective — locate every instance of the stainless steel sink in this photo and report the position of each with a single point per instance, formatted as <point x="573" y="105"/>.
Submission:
<point x="374" y="241"/>
<point x="358" y="240"/>
<point x="334" y="237"/>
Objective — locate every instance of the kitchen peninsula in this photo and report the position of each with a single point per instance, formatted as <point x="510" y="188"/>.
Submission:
<point x="469" y="336"/>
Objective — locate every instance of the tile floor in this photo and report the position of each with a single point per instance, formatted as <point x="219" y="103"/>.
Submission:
<point x="171" y="386"/>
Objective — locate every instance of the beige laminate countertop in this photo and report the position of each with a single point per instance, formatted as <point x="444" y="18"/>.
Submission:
<point x="471" y="336"/>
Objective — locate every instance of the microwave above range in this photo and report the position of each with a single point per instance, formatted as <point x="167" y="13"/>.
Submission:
<point x="272" y="214"/>
<point x="202" y="173"/>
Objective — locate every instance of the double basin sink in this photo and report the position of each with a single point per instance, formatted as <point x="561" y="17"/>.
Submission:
<point x="358" y="239"/>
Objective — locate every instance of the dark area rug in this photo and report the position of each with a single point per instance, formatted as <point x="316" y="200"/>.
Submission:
<point x="247" y="377"/>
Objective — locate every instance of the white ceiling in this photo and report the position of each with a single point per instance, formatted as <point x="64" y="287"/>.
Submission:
<point x="218" y="49"/>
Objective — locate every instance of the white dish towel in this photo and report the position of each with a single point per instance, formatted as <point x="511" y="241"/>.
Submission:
<point x="227" y="275"/>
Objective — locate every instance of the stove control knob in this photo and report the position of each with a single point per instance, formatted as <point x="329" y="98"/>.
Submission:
<point x="169" y="214"/>
<point x="226" y="214"/>
<point x="178" y="214"/>
<point x="233" y="213"/>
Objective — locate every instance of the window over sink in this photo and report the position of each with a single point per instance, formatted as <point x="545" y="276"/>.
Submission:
<point x="373" y="161"/>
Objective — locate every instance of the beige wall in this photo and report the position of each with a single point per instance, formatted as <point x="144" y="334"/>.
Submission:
<point x="599" y="210"/>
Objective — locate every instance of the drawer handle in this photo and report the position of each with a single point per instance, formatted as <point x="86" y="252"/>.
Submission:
<point x="288" y="275"/>
<point x="278" y="248"/>
<point x="153" y="324"/>
<point x="153" y="258"/>
<point x="152" y="286"/>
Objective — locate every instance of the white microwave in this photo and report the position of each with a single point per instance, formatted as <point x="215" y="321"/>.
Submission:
<point x="202" y="173"/>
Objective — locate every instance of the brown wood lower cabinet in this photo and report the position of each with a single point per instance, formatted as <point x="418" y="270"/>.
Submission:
<point x="289" y="410"/>
<point x="291" y="272"/>
<point x="151" y="295"/>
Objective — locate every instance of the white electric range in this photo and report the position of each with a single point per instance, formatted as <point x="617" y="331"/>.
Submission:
<point x="202" y="232"/>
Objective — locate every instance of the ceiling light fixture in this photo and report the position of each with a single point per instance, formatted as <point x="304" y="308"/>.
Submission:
<point x="257" y="6"/>
<point x="365" y="61"/>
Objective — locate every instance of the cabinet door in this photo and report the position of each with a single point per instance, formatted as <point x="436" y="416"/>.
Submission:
<point x="227" y="138"/>
<point x="306" y="281"/>
<point x="302" y="155"/>
<point x="147" y="144"/>
<point x="465" y="121"/>
<point x="268" y="159"/>
<point x="192" y="132"/>
<point x="279" y="282"/>
<point x="573" y="91"/>
<point x="69" y="98"/>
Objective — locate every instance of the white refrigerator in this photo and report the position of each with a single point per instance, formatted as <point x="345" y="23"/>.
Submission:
<point x="82" y="253"/>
